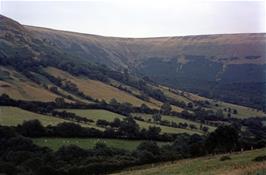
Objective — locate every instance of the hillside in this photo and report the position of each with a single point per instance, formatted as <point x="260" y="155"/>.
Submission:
<point x="240" y="164"/>
<point x="73" y="103"/>
<point x="226" y="67"/>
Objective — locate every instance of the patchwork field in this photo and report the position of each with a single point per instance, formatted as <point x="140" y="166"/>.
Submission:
<point x="240" y="164"/>
<point x="18" y="86"/>
<point x="100" y="90"/>
<point x="174" y="119"/>
<point x="12" y="116"/>
<point x="95" y="114"/>
<point x="242" y="111"/>
<point x="110" y="116"/>
<point x="55" y="143"/>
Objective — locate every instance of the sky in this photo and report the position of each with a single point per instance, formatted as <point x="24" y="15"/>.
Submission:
<point x="141" y="18"/>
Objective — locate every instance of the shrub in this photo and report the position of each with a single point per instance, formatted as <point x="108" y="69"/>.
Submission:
<point x="223" y="158"/>
<point x="260" y="158"/>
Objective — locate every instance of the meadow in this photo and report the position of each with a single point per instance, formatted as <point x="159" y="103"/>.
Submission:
<point x="240" y="164"/>
<point x="12" y="116"/>
<point x="110" y="116"/>
<point x="175" y="119"/>
<point x="100" y="90"/>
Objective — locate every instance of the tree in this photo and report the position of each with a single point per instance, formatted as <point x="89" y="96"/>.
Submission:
<point x="114" y="102"/>
<point x="166" y="108"/>
<point x="116" y="123"/>
<point x="153" y="132"/>
<point x="223" y="139"/>
<point x="69" y="130"/>
<point x="60" y="101"/>
<point x="190" y="105"/>
<point x="129" y="127"/>
<point x="32" y="128"/>
<point x="102" y="123"/>
<point x="156" y="117"/>
<point x="234" y="111"/>
<point x="219" y="113"/>
<point x="148" y="151"/>
<point x="205" y="129"/>
<point x="144" y="108"/>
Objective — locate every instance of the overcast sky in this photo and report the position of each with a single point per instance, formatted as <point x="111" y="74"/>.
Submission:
<point x="147" y="18"/>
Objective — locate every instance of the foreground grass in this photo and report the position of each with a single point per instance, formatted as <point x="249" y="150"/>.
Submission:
<point x="240" y="164"/>
<point x="86" y="143"/>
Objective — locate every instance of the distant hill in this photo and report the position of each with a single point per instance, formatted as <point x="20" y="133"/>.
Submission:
<point x="229" y="67"/>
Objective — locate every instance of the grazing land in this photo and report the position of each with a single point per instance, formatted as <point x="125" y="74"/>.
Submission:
<point x="12" y="116"/>
<point x="148" y="117"/>
<point x="110" y="116"/>
<point x="240" y="164"/>
<point x="95" y="114"/>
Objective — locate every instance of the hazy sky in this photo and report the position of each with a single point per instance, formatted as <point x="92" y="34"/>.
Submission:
<point x="144" y="18"/>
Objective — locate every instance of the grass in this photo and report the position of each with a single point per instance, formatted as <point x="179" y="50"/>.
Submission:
<point x="258" y="172"/>
<point x="170" y="94"/>
<point x="242" y="111"/>
<point x="86" y="143"/>
<point x="12" y="116"/>
<point x="174" y="119"/>
<point x="19" y="87"/>
<point x="166" y="129"/>
<point x="96" y="114"/>
<point x="240" y="164"/>
<point x="99" y="90"/>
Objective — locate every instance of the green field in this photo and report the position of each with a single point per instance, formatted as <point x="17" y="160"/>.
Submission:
<point x="242" y="111"/>
<point x="12" y="116"/>
<point x="86" y="143"/>
<point x="240" y="164"/>
<point x="96" y="114"/>
<point x="174" y="119"/>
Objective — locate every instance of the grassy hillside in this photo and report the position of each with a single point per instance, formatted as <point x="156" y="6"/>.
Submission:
<point x="240" y="164"/>
<point x="18" y="86"/>
<point x="95" y="114"/>
<point x="12" y="116"/>
<point x="110" y="116"/>
<point x="229" y="67"/>
<point x="173" y="119"/>
<point x="99" y="90"/>
<point x="55" y="143"/>
<point x="242" y="111"/>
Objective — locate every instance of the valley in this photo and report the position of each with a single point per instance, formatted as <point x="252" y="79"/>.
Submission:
<point x="73" y="103"/>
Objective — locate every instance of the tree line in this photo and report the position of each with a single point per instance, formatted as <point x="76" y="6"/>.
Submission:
<point x="18" y="154"/>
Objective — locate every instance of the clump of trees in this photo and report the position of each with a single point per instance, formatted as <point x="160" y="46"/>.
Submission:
<point x="126" y="129"/>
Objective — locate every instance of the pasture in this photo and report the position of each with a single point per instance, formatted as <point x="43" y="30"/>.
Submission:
<point x="12" y="116"/>
<point x="240" y="164"/>
<point x="96" y="114"/>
